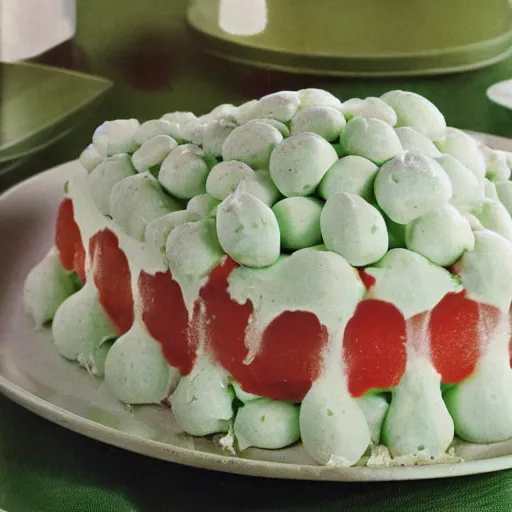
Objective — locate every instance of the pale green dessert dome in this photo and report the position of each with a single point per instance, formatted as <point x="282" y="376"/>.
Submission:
<point x="179" y="121"/>
<point x="136" y="370"/>
<point x="354" y="229"/>
<point x="497" y="169"/>
<point x="82" y="330"/>
<point x="411" y="185"/>
<point x="299" y="221"/>
<point x="225" y="177"/>
<point x="318" y="98"/>
<point x="90" y="158"/>
<point x="138" y="200"/>
<point x="251" y="143"/>
<point x="248" y="230"/>
<point x="117" y="136"/>
<point x="298" y="163"/>
<point x="158" y="231"/>
<point x="324" y="121"/>
<point x="417" y="112"/>
<point x="413" y="140"/>
<point x="465" y="149"/>
<point x="370" y="138"/>
<point x="494" y="216"/>
<point x="204" y="205"/>
<point x="369" y="107"/>
<point x="202" y="401"/>
<point x="153" y="152"/>
<point x="441" y="236"/>
<point x="152" y="128"/>
<point x="504" y="191"/>
<point x="46" y="287"/>
<point x="351" y="173"/>
<point x="105" y="175"/>
<point x="280" y="106"/>
<point x="467" y="190"/>
<point x="184" y="171"/>
<point x="215" y="133"/>
<point x="266" y="423"/>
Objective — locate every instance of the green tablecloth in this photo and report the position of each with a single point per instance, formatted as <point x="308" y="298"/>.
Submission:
<point x="146" y="48"/>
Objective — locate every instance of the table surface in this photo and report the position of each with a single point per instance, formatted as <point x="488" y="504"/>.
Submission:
<point x="157" y="68"/>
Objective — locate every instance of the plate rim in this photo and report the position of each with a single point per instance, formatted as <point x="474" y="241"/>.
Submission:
<point x="224" y="463"/>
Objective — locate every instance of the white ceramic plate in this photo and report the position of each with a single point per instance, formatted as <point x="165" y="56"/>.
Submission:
<point x="35" y="376"/>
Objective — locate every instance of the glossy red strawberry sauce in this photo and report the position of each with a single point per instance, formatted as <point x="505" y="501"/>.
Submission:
<point x="68" y="240"/>
<point x="112" y="278"/>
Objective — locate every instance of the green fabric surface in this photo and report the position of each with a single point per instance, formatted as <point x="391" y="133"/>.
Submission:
<point x="151" y="55"/>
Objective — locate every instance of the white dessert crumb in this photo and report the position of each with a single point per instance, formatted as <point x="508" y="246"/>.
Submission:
<point x="381" y="457"/>
<point x="227" y="442"/>
<point x="335" y="461"/>
<point x="88" y="365"/>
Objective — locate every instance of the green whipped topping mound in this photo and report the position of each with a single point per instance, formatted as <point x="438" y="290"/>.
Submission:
<point x="467" y="190"/>
<point x="158" y="231"/>
<point x="81" y="329"/>
<point x="138" y="200"/>
<point x="278" y="125"/>
<point x="179" y="121"/>
<point x="153" y="152"/>
<point x="280" y="106"/>
<point x="481" y="406"/>
<point x="324" y="121"/>
<point x="225" y="177"/>
<point x="242" y="395"/>
<point x="465" y="149"/>
<point x="413" y="140"/>
<point x="333" y="427"/>
<point x="248" y="230"/>
<point x="117" y="136"/>
<point x="411" y="185"/>
<point x="252" y="143"/>
<point x="193" y="249"/>
<point x="486" y="271"/>
<point x="90" y="158"/>
<point x="215" y="133"/>
<point x="46" y="287"/>
<point x="261" y="186"/>
<point x="298" y="163"/>
<point x="265" y="423"/>
<point x="152" y="128"/>
<point x="353" y="174"/>
<point x="370" y="138"/>
<point x="494" y="216"/>
<point x="497" y="168"/>
<point x="441" y="236"/>
<point x="184" y="171"/>
<point x="318" y="98"/>
<point x="204" y="205"/>
<point x="504" y="191"/>
<point x="417" y="112"/>
<point x="105" y="175"/>
<point x="369" y="107"/>
<point x="299" y="221"/>
<point x="374" y="407"/>
<point x="136" y="370"/>
<point x="410" y="281"/>
<point x="354" y="229"/>
<point x="490" y="192"/>
<point x="203" y="400"/>
<point x="417" y="419"/>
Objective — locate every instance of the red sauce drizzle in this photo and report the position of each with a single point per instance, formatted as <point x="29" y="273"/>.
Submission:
<point x="111" y="275"/>
<point x="367" y="279"/>
<point x="68" y="240"/>
<point x="374" y="347"/>
<point x="166" y="317"/>
<point x="290" y="353"/>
